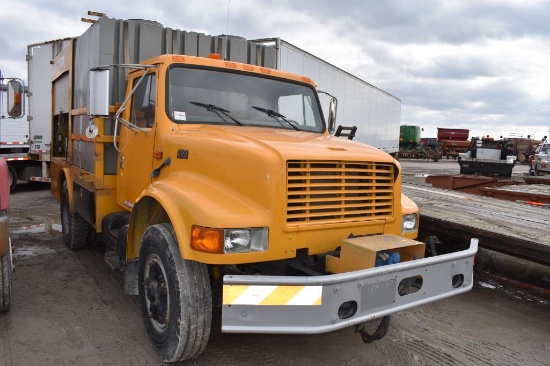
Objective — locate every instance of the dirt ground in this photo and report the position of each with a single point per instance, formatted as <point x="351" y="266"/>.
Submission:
<point x="68" y="308"/>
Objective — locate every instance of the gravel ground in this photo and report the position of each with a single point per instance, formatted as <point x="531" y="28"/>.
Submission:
<point x="68" y="308"/>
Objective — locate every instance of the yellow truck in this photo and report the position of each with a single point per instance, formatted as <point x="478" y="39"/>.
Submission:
<point x="215" y="183"/>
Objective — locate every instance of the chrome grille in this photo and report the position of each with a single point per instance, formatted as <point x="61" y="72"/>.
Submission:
<point x="328" y="192"/>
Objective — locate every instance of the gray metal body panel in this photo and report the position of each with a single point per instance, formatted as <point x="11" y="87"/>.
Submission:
<point x="374" y="290"/>
<point x="60" y="96"/>
<point x="113" y="41"/>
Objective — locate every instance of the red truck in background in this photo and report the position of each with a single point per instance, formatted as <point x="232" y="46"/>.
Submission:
<point x="15" y="109"/>
<point x="6" y="261"/>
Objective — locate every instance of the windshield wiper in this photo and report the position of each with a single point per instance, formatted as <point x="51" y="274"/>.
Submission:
<point x="277" y="116"/>
<point x="217" y="110"/>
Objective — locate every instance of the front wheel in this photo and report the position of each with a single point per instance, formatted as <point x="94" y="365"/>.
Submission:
<point x="6" y="266"/>
<point x="175" y="296"/>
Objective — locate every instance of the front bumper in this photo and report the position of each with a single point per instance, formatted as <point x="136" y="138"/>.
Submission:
<point x="309" y="305"/>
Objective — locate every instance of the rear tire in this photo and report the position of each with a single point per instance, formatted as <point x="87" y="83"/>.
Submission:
<point x="175" y="296"/>
<point x="74" y="227"/>
<point x="5" y="280"/>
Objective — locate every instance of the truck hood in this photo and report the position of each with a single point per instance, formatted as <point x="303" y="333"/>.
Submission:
<point x="240" y="176"/>
<point x="288" y="144"/>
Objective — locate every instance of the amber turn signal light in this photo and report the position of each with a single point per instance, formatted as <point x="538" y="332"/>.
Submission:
<point x="207" y="240"/>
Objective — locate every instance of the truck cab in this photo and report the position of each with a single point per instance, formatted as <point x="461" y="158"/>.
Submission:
<point x="208" y="145"/>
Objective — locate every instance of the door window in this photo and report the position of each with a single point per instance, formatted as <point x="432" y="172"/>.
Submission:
<point x="143" y="102"/>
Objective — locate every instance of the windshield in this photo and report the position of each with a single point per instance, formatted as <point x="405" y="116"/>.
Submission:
<point x="218" y="97"/>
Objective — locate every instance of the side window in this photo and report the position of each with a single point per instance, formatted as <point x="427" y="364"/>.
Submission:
<point x="143" y="102"/>
<point x="297" y="108"/>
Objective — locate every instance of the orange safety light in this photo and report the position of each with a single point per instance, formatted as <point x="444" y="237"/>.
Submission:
<point x="215" y="56"/>
<point x="178" y="58"/>
<point x="230" y="65"/>
<point x="206" y="240"/>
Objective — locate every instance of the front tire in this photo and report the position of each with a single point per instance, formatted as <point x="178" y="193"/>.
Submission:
<point x="5" y="280"/>
<point x="74" y="227"/>
<point x="175" y="296"/>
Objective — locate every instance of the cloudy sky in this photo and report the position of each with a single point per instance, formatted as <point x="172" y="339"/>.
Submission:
<point x="483" y="65"/>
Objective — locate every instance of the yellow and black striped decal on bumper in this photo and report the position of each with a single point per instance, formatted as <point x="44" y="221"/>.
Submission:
<point x="272" y="295"/>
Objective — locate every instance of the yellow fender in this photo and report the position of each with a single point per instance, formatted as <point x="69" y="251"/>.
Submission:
<point x="408" y="206"/>
<point x="184" y="199"/>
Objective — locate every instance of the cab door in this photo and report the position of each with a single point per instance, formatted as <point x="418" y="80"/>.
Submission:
<point x="135" y="159"/>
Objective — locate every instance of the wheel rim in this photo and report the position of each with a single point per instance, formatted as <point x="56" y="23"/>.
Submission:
<point x="157" y="295"/>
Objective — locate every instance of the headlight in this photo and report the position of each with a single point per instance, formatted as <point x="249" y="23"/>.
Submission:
<point x="245" y="240"/>
<point x="210" y="240"/>
<point x="410" y="223"/>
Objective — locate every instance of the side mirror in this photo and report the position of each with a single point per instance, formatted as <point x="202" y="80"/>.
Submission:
<point x="332" y="108"/>
<point x="99" y="92"/>
<point x="16" y="98"/>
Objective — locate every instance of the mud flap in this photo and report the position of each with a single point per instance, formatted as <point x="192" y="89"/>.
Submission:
<point x="131" y="278"/>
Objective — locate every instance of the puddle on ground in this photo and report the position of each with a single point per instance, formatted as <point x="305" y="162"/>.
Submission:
<point x="31" y="251"/>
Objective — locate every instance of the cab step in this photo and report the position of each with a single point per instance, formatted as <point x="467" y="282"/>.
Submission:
<point x="115" y="232"/>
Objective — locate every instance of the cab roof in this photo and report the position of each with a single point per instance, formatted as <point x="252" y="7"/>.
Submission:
<point x="228" y="65"/>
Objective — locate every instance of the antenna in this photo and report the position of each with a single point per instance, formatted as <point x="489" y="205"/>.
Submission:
<point x="226" y="29"/>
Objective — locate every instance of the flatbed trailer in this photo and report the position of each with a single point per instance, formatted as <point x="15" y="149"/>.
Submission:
<point x="513" y="228"/>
